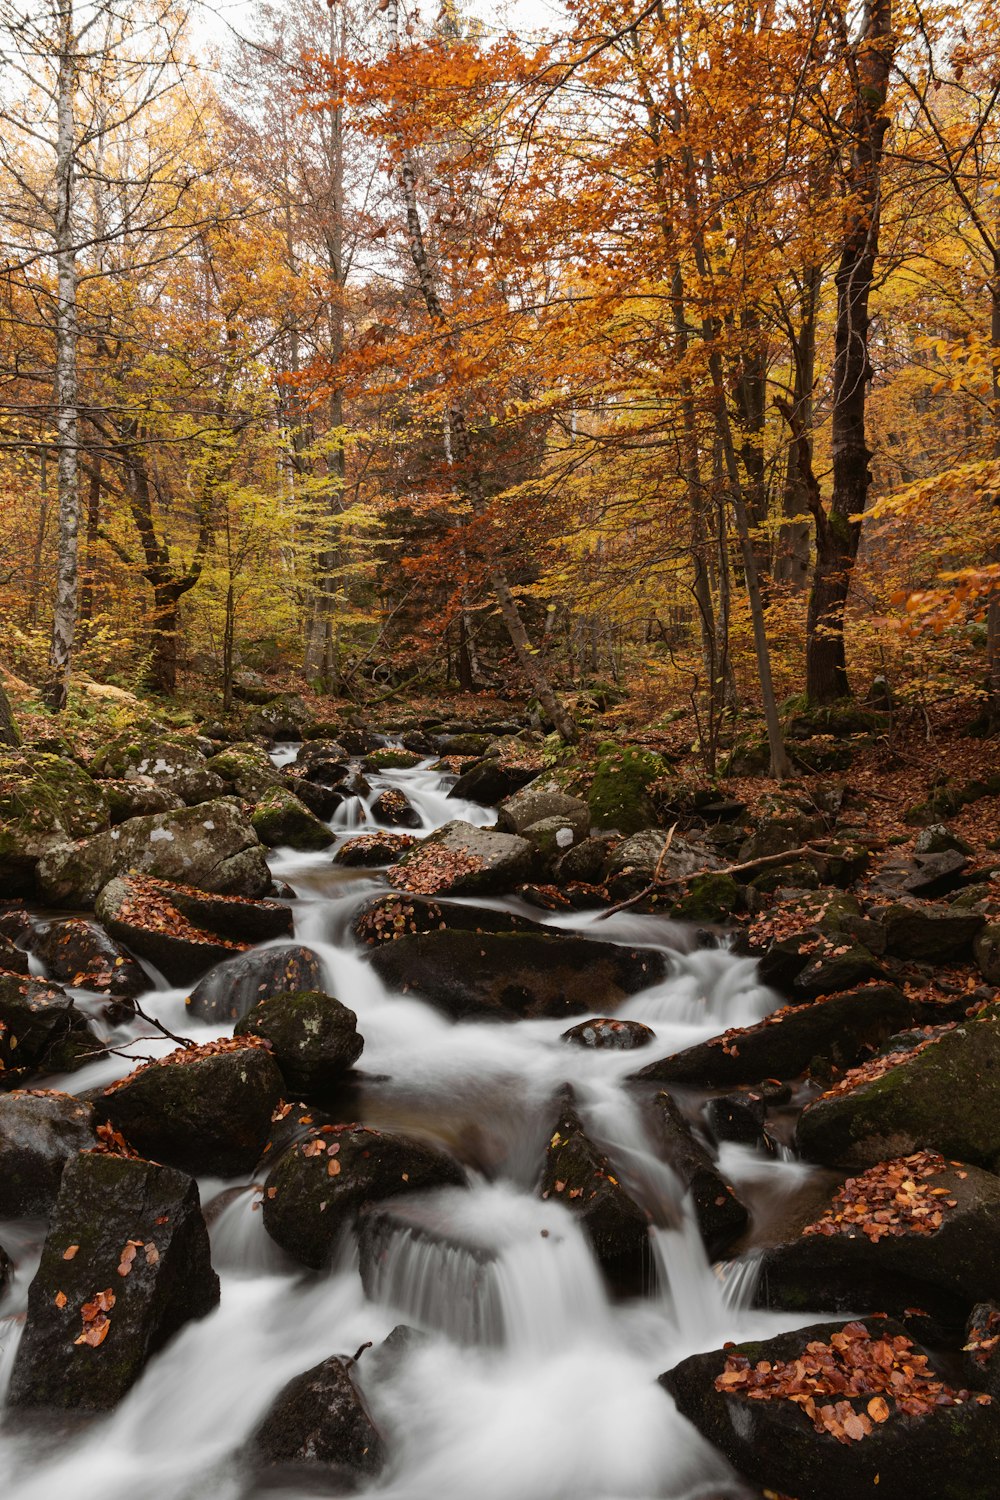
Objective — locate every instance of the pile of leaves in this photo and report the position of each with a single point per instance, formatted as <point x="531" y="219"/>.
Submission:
<point x="893" y="1198"/>
<point x="150" y="907"/>
<point x="984" y="1334"/>
<point x="886" y="1374"/>
<point x="393" y="919"/>
<point x="877" y="1067"/>
<point x="391" y="843"/>
<point x="433" y="868"/>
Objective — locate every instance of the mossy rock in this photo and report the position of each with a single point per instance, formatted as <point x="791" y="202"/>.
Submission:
<point x="392" y="759"/>
<point x="280" y="820"/>
<point x="247" y="769"/>
<point x="314" y="1039"/>
<point x="46" y="803"/>
<point x="619" y="795"/>
<point x="802" y="720"/>
<point x="709" y="898"/>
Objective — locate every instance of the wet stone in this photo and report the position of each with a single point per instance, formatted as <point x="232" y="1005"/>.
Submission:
<point x="80" y="953"/>
<point x="606" y="1032"/>
<point x="320" y="1429"/>
<point x="314" y="1039"/>
<point x="721" y="1216"/>
<point x="234" y="987"/>
<point x="40" y="1131"/>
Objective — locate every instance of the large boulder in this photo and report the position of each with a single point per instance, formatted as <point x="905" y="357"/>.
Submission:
<point x="324" y="762"/>
<point x="620" y="794"/>
<point x="509" y="975"/>
<point x="316" y="1188"/>
<point x="142" y="914"/>
<point x="489" y="781"/>
<point x="835" y="1410"/>
<point x="942" y="1094"/>
<point x="835" y="1031"/>
<point x="928" y="930"/>
<point x="137" y="799"/>
<point x="580" y="1176"/>
<point x="460" y="860"/>
<point x="319" y="1431"/>
<point x="280" y="820"/>
<point x="918" y="1231"/>
<point x="41" y="1030"/>
<point x="126" y="1264"/>
<point x="721" y="1216"/>
<point x="202" y="1109"/>
<point x="46" y="802"/>
<point x="538" y="801"/>
<point x="246" y="770"/>
<point x="235" y="987"/>
<point x="80" y="953"/>
<point x="173" y="762"/>
<point x="40" y="1131"/>
<point x="653" y="855"/>
<point x="285" y="718"/>
<point x="313" y="1038"/>
<point x="211" y="847"/>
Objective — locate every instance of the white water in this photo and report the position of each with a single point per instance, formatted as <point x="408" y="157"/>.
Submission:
<point x="528" y="1382"/>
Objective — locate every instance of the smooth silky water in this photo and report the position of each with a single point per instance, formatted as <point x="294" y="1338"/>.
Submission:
<point x="526" y="1382"/>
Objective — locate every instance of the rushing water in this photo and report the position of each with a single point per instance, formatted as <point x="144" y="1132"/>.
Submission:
<point x="527" y="1382"/>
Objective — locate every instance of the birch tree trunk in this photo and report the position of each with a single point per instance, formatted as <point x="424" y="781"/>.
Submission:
<point x="67" y="420"/>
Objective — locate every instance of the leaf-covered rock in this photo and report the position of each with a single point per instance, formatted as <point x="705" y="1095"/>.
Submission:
<point x="80" y="953"/>
<point x="234" y="987"/>
<point x="460" y="860"/>
<point x="41" y="1030"/>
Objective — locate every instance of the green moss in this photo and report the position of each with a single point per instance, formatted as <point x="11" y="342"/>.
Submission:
<point x="710" y="898"/>
<point x="391" y="760"/>
<point x="619" y="795"/>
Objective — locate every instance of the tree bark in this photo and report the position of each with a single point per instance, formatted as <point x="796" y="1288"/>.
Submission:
<point x="791" y="563"/>
<point x="67" y="420"/>
<point x="9" y="734"/>
<point x="869" y="60"/>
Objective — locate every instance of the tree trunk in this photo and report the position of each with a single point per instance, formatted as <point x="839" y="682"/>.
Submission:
<point x="67" y="424"/>
<point x="791" y="563"/>
<point x="162" y="674"/>
<point x="9" y="734"/>
<point x="993" y="603"/>
<point x="837" y="540"/>
<point x="90" y="560"/>
<point x="228" y="636"/>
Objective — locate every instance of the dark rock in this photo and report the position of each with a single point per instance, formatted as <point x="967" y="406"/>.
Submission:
<point x="737" y="1117"/>
<point x="322" y="801"/>
<point x="202" y="1109"/>
<point x="284" y="718"/>
<point x="921" y="930"/>
<point x="986" y="950"/>
<point x="784" y="1045"/>
<point x="371" y="851"/>
<point x="313" y="1038"/>
<point x="80" y="953"/>
<point x="211" y="847"/>
<point x="233" y="988"/>
<point x="386" y="918"/>
<point x="391" y="758"/>
<point x="468" y="743"/>
<point x="709" y="898"/>
<point x="620" y="794"/>
<point x="320" y="1429"/>
<point x="46" y="802"/>
<point x="948" y="1454"/>
<point x="142" y="914"/>
<point x="460" y="860"/>
<point x="834" y="965"/>
<point x="636" y="861"/>
<point x="981" y="1347"/>
<point x="13" y="960"/>
<point x="945" y="1097"/>
<point x="41" y="1030"/>
<point x="394" y="807"/>
<point x="324" y="762"/>
<point x="490" y="781"/>
<point x="511" y="975"/>
<point x="280" y="820"/>
<point x="606" y="1032"/>
<point x="582" y="1178"/>
<point x="136" y="799"/>
<point x="936" y="874"/>
<point x="721" y="1216"/>
<point x="937" y="838"/>
<point x="586" y="862"/>
<point x="106" y="1206"/>
<point x="316" y="1188"/>
<point x="39" y="1132"/>
<point x="944" y="1272"/>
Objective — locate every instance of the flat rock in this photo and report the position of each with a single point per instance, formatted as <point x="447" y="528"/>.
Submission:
<point x="141" y="1269"/>
<point x="510" y="975"/>
<point x="786" y="1042"/>
<point x="461" y="860"/>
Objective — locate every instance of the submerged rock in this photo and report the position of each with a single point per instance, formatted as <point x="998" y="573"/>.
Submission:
<point x="126" y="1264"/>
<point x="900" y="1426"/>
<point x="942" y="1095"/>
<point x="236" y="986"/>
<point x="313" y="1038"/>
<point x="579" y="1175"/>
<point x="508" y="975"/>
<point x="721" y="1216"/>
<point x="211" y="847"/>
<point x="786" y="1042"/>
<point x="607" y="1033"/>
<point x="319" y="1428"/>
<point x="202" y="1109"/>
<point x="40" y="1131"/>
<point x="316" y="1188"/>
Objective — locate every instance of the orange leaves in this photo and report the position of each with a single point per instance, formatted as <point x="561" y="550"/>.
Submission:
<point x="96" y="1322"/>
<point x="852" y="1365"/>
<point x="893" y="1198"/>
<point x="70" y="1252"/>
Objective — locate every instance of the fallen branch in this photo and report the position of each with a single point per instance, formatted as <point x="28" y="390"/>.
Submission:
<point x="763" y="863"/>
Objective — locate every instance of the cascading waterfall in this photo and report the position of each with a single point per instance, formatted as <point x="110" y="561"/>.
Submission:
<point x="526" y="1380"/>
